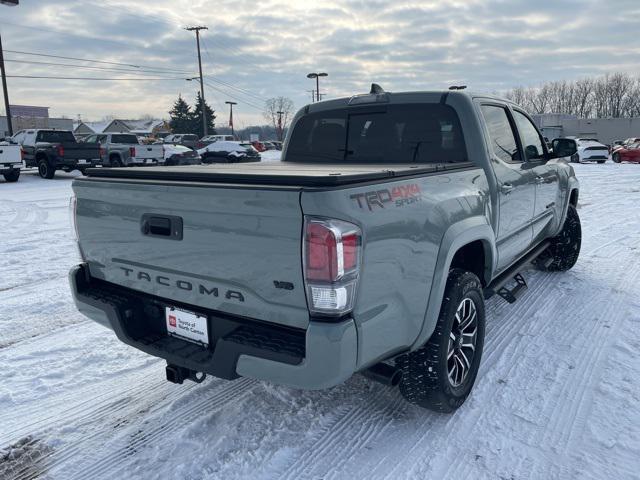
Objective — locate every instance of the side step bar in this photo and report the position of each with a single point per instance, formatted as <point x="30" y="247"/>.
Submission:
<point x="497" y="286"/>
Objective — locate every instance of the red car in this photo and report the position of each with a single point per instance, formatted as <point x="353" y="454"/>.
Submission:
<point x="259" y="146"/>
<point x="627" y="153"/>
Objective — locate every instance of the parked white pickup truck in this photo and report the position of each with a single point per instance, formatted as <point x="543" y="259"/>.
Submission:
<point x="124" y="150"/>
<point x="10" y="161"/>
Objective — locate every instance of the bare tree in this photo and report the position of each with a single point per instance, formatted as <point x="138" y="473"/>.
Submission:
<point x="613" y="95"/>
<point x="278" y="111"/>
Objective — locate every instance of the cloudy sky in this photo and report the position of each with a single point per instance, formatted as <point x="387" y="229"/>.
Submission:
<point x="256" y="50"/>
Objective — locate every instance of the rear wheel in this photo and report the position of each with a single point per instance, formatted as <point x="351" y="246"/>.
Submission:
<point x="45" y="169"/>
<point x="616" y="157"/>
<point x="439" y="376"/>
<point x="564" y="250"/>
<point x="115" y="162"/>
<point x="12" y="176"/>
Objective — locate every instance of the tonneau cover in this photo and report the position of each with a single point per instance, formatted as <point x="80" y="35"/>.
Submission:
<point x="276" y="173"/>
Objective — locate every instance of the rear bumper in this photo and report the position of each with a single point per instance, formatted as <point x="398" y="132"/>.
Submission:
<point x="322" y="356"/>
<point x="75" y="163"/>
<point x="8" y="167"/>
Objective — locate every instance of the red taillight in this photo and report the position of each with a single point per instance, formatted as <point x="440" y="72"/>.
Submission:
<point x="322" y="258"/>
<point x="21" y="154"/>
<point x="60" y="150"/>
<point x="332" y="250"/>
<point x="350" y="251"/>
<point x="103" y="151"/>
<point x="132" y="151"/>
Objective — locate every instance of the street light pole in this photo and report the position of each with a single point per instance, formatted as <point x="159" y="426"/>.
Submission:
<point x="204" y="104"/>
<point x="231" y="104"/>
<point x="317" y="76"/>
<point x="3" y="73"/>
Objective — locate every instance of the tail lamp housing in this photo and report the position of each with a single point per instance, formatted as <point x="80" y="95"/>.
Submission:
<point x="132" y="151"/>
<point x="60" y="151"/>
<point x="332" y="251"/>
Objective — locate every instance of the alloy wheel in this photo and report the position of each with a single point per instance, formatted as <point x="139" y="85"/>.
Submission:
<point x="462" y="342"/>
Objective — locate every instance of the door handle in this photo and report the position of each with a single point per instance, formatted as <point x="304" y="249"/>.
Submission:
<point x="507" y="188"/>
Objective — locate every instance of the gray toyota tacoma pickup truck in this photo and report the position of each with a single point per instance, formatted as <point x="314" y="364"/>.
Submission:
<point x="371" y="247"/>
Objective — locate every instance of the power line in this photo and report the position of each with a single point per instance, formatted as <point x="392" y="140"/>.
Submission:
<point x="112" y="69"/>
<point x="94" y="78"/>
<point x="238" y="89"/>
<point x="244" y="102"/>
<point x="92" y="60"/>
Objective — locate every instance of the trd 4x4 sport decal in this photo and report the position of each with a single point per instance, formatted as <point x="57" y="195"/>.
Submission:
<point x="398" y="196"/>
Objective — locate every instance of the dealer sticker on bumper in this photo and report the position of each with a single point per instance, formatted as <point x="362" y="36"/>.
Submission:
<point x="187" y="325"/>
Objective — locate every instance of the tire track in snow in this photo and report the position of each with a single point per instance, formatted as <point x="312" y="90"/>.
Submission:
<point x="111" y="464"/>
<point x="332" y="439"/>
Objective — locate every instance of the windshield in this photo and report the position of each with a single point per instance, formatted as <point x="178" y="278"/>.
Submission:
<point x="124" y="139"/>
<point x="55" y="136"/>
<point x="415" y="133"/>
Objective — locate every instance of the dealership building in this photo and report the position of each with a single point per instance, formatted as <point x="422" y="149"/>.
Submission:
<point x="606" y="130"/>
<point x="29" y="116"/>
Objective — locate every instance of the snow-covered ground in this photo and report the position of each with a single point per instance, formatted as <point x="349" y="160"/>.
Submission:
<point x="557" y="397"/>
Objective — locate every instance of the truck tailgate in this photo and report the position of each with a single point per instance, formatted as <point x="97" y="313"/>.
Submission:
<point x="78" y="151"/>
<point x="238" y="252"/>
<point x="149" y="151"/>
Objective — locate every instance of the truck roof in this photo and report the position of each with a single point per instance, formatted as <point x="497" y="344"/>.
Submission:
<point x="425" y="96"/>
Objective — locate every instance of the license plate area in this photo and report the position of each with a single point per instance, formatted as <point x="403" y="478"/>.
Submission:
<point x="187" y="326"/>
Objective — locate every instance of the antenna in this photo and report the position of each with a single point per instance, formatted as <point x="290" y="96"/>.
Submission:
<point x="376" y="89"/>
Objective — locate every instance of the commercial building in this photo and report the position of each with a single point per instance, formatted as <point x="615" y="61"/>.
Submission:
<point x="29" y="116"/>
<point x="606" y="130"/>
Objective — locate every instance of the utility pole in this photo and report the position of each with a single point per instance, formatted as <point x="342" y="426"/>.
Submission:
<point x="280" y="113"/>
<point x="204" y="104"/>
<point x="317" y="76"/>
<point x="313" y="95"/>
<point x="3" y="73"/>
<point x="231" y="104"/>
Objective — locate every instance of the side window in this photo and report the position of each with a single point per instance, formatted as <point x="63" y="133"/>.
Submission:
<point x="531" y="141"/>
<point x="503" y="140"/>
<point x="90" y="139"/>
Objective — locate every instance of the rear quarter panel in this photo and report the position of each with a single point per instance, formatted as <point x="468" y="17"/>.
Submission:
<point x="403" y="225"/>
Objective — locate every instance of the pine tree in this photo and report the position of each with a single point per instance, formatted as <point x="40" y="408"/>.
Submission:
<point x="181" y="117"/>
<point x="197" y="118"/>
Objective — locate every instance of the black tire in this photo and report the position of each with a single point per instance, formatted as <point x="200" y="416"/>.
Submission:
<point x="426" y="378"/>
<point x="115" y="162"/>
<point x="45" y="169"/>
<point x="616" y="157"/>
<point x="12" y="176"/>
<point x="564" y="250"/>
<point x="601" y="161"/>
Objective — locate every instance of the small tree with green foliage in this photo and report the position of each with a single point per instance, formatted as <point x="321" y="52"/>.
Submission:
<point x="197" y="118"/>
<point x="181" y="116"/>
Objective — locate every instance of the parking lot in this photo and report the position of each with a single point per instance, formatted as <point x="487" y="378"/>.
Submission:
<point x="556" y="395"/>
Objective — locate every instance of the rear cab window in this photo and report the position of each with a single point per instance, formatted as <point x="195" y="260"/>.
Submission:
<point x="55" y="136"/>
<point x="419" y="133"/>
<point x="124" y="139"/>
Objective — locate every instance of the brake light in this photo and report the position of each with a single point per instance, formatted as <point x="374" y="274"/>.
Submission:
<point x="132" y="151"/>
<point x="103" y="152"/>
<point x="60" y="150"/>
<point x="21" y="153"/>
<point x="332" y="250"/>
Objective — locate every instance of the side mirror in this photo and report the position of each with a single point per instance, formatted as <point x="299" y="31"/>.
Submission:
<point x="563" y="147"/>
